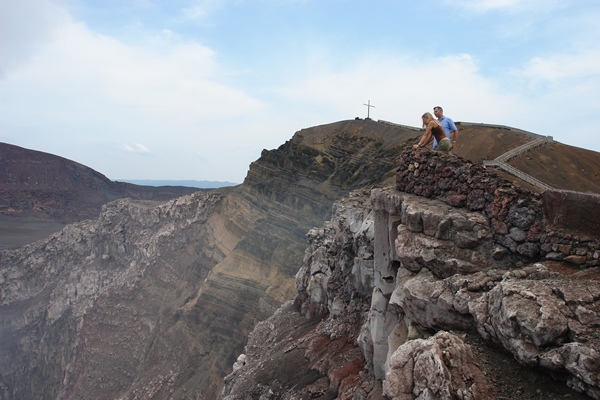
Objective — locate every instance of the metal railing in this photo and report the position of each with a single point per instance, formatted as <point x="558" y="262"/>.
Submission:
<point x="523" y="148"/>
<point x="517" y="172"/>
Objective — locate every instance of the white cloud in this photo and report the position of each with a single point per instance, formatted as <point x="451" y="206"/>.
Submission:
<point x="25" y="26"/>
<point x="563" y="92"/>
<point x="169" y="94"/>
<point x="504" y="5"/>
<point x="136" y="148"/>
<point x="403" y="88"/>
<point x="564" y="66"/>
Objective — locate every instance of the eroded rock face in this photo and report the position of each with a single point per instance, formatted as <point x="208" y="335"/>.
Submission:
<point x="528" y="309"/>
<point x="82" y="310"/>
<point x="550" y="323"/>
<point x="439" y="278"/>
<point x="297" y="353"/>
<point x="329" y="285"/>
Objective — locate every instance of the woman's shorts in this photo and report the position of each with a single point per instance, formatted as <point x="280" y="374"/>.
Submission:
<point x="444" y="145"/>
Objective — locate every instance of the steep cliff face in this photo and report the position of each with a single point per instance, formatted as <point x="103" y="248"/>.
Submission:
<point x="403" y="296"/>
<point x="155" y="300"/>
<point x="94" y="311"/>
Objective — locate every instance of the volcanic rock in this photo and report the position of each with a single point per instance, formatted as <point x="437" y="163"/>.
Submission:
<point x="436" y="334"/>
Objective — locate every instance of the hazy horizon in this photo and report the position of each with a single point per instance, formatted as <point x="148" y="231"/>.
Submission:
<point x="179" y="182"/>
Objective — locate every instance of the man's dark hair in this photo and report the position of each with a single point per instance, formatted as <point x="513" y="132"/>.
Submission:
<point x="438" y="107"/>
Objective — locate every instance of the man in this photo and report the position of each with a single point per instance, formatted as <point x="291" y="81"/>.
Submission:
<point x="448" y="124"/>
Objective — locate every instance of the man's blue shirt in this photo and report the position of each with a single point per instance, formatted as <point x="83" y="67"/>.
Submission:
<point x="449" y="127"/>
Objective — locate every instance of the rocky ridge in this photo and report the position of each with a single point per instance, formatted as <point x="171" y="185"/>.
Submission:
<point x="416" y="291"/>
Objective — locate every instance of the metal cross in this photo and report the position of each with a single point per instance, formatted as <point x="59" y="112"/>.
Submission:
<point x="369" y="109"/>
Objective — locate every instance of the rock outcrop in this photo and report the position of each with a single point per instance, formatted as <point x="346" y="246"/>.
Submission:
<point x="429" y="289"/>
<point x="98" y="309"/>
<point x="440" y="367"/>
<point x="516" y="216"/>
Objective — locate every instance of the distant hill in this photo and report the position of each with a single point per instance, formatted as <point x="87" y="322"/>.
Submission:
<point x="187" y="183"/>
<point x="39" y="186"/>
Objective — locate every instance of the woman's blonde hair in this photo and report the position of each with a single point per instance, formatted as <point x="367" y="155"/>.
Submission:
<point x="427" y="117"/>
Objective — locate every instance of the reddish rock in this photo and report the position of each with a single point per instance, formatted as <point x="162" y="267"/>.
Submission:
<point x="579" y="260"/>
<point x="457" y="200"/>
<point x="499" y="226"/>
<point x="534" y="233"/>
<point x="565" y="249"/>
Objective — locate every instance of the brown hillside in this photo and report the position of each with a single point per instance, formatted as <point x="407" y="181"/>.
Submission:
<point x="38" y="185"/>
<point x="483" y="142"/>
<point x="558" y="165"/>
<point x="562" y="167"/>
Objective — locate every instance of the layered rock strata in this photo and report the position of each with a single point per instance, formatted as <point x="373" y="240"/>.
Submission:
<point x="155" y="300"/>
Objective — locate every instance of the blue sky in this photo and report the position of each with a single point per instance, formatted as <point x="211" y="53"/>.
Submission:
<point x="196" y="89"/>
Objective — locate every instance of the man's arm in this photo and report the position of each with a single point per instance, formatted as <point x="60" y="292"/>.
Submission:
<point x="453" y="133"/>
<point x="454" y="136"/>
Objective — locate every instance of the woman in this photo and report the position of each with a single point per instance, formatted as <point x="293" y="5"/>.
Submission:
<point x="434" y="129"/>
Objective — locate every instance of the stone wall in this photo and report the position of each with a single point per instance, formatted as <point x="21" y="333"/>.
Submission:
<point x="516" y="215"/>
<point x="573" y="210"/>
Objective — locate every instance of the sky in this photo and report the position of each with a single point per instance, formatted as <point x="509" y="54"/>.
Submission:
<point x="196" y="89"/>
